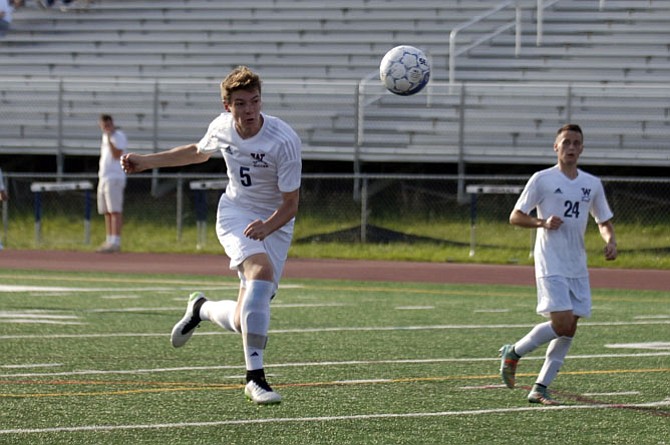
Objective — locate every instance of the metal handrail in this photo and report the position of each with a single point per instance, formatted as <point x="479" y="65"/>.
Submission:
<point x="454" y="33"/>
<point x="453" y="52"/>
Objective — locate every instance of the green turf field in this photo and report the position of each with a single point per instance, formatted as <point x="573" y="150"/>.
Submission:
<point x="86" y="359"/>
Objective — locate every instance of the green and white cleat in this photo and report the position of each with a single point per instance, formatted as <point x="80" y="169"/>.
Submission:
<point x="540" y="394"/>
<point x="508" y="362"/>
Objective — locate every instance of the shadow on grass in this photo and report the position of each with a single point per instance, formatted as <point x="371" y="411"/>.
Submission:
<point x="374" y="234"/>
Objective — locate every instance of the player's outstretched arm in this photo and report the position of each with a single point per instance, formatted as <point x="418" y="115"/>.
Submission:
<point x="176" y="157"/>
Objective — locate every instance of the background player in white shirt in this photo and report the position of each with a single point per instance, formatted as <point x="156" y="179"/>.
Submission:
<point x="111" y="182"/>
<point x="254" y="219"/>
<point x="563" y="197"/>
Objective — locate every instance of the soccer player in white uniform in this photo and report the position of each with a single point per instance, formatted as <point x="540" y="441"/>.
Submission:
<point x="563" y="197"/>
<point x="254" y="220"/>
<point x="111" y="182"/>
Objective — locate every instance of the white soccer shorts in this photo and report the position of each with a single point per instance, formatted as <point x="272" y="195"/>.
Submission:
<point x="556" y="294"/>
<point x="110" y="195"/>
<point x="230" y="225"/>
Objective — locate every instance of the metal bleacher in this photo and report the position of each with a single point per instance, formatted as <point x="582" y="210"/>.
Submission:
<point x="156" y="67"/>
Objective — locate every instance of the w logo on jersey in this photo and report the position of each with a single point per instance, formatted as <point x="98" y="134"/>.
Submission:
<point x="586" y="194"/>
<point x="259" y="160"/>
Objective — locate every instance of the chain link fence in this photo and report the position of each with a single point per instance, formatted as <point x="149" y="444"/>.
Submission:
<point x="177" y="212"/>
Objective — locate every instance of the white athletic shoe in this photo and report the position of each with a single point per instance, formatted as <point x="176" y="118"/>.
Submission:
<point x="261" y="393"/>
<point x="185" y="327"/>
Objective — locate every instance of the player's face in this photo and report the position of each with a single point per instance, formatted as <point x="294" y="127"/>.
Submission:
<point x="106" y="126"/>
<point x="568" y="147"/>
<point x="245" y="106"/>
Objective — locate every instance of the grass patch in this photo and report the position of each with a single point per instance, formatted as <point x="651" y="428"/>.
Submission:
<point x="356" y="362"/>
<point x="644" y="247"/>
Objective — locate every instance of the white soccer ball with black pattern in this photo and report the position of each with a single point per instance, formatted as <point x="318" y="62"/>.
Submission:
<point x="404" y="70"/>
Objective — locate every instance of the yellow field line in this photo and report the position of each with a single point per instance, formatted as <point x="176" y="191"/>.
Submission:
<point x="180" y="387"/>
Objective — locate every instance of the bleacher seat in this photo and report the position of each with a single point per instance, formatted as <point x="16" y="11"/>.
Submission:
<point x="156" y="65"/>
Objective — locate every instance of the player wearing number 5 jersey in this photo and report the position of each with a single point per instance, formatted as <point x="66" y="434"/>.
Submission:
<point x="564" y="197"/>
<point x="254" y="219"/>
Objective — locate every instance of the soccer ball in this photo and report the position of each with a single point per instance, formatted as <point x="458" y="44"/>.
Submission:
<point x="404" y="70"/>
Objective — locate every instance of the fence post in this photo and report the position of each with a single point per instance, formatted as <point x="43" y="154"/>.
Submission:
<point x="359" y="104"/>
<point x="87" y="217"/>
<point x="364" y="210"/>
<point x="460" y="193"/>
<point x="38" y="217"/>
<point x="180" y="207"/>
<point x="59" y="139"/>
<point x="154" y="172"/>
<point x="5" y="212"/>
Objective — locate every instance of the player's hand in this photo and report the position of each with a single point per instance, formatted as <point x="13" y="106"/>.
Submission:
<point x="552" y="223"/>
<point x="130" y="163"/>
<point x="4" y="196"/>
<point x="610" y="251"/>
<point x="256" y="230"/>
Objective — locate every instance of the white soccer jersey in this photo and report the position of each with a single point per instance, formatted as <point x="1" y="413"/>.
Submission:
<point x="561" y="252"/>
<point x="110" y="167"/>
<point x="260" y="168"/>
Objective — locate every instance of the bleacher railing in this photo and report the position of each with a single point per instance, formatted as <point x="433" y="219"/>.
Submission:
<point x="464" y="124"/>
<point x="517" y="23"/>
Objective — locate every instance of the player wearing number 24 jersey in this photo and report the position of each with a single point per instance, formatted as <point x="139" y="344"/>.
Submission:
<point x="254" y="221"/>
<point x="564" y="197"/>
<point x="551" y="192"/>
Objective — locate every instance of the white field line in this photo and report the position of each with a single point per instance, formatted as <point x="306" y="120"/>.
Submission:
<point x="120" y="297"/>
<point x="38" y="314"/>
<point x="38" y="317"/>
<point x="32" y="365"/>
<point x="42" y="321"/>
<point x="645" y="345"/>
<point x="334" y="329"/>
<point x="181" y="308"/>
<point x="323" y="364"/>
<point x="620" y="393"/>
<point x="463" y="326"/>
<point x="20" y="288"/>
<point x="359" y="417"/>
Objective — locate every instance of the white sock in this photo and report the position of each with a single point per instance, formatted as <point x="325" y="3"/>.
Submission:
<point x="255" y="320"/>
<point x="115" y="240"/>
<point x="539" y="335"/>
<point x="221" y="313"/>
<point x="556" y="352"/>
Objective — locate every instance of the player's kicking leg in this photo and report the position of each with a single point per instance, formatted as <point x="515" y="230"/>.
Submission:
<point x="182" y="331"/>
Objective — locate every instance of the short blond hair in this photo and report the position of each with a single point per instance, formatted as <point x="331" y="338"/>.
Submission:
<point x="241" y="78"/>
